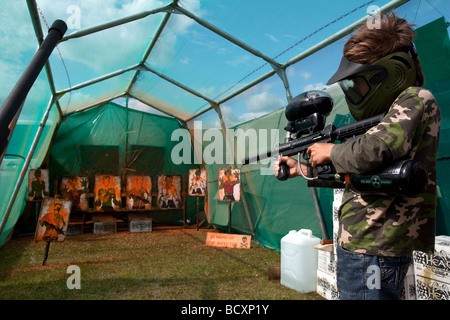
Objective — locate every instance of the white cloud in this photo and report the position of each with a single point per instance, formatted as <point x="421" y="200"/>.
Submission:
<point x="305" y="75"/>
<point x="208" y="92"/>
<point x="228" y="115"/>
<point x="18" y="44"/>
<point x="121" y="46"/>
<point x="238" y="60"/>
<point x="290" y="72"/>
<point x="316" y="86"/>
<point x="271" y="37"/>
<point x="137" y="105"/>
<point x="250" y="116"/>
<point x="256" y="105"/>
<point x="185" y="60"/>
<point x="95" y="12"/>
<point x="264" y="101"/>
<point x="230" y="118"/>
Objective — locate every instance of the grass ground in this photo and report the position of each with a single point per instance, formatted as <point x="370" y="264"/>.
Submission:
<point x="160" y="265"/>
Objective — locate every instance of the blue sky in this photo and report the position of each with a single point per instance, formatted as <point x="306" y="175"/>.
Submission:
<point x="314" y="72"/>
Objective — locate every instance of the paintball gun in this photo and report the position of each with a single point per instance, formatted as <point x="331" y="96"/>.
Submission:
<point x="306" y="115"/>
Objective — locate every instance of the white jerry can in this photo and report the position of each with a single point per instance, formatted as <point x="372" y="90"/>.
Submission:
<point x="299" y="260"/>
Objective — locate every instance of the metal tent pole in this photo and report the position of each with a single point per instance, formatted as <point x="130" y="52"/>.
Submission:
<point x="340" y="34"/>
<point x="149" y="49"/>
<point x="28" y="159"/>
<point x="12" y="106"/>
<point x="227" y="36"/>
<point x="244" y="200"/>
<point x="97" y="80"/>
<point x="32" y="9"/>
<point x="115" y="23"/>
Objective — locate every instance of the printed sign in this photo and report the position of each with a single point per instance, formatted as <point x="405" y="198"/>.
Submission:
<point x="238" y="241"/>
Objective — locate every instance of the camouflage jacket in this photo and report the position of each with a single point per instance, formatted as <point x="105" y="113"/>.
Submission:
<point x="390" y="225"/>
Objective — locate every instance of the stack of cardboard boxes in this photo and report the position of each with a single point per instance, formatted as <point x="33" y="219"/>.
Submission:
<point x="326" y="270"/>
<point x="432" y="272"/>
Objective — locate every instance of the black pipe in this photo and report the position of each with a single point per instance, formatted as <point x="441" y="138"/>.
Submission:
<point x="10" y="110"/>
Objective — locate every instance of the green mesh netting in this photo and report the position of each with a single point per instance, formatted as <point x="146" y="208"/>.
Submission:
<point x="187" y="66"/>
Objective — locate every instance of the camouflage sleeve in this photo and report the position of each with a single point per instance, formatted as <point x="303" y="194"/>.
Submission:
<point x="391" y="139"/>
<point x="359" y="156"/>
<point x="399" y="126"/>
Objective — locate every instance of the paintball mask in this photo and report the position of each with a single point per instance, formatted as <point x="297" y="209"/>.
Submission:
<point x="370" y="89"/>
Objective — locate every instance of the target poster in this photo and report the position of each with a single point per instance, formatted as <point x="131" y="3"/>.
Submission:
<point x="75" y="189"/>
<point x="197" y="182"/>
<point x="229" y="185"/>
<point x="139" y="192"/>
<point x="169" y="192"/>
<point x="38" y="184"/>
<point x="107" y="193"/>
<point x="53" y="220"/>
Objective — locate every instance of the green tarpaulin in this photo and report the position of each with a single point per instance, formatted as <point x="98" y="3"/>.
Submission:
<point x="130" y="74"/>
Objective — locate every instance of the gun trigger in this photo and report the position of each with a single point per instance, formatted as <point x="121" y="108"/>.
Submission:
<point x="306" y="156"/>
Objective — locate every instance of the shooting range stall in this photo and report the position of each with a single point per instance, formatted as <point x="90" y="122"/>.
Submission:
<point x="122" y="81"/>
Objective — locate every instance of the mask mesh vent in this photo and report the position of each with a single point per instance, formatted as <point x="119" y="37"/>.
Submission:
<point x="399" y="77"/>
<point x="401" y="69"/>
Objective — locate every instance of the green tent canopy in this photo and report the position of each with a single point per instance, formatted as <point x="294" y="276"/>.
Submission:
<point x="130" y="78"/>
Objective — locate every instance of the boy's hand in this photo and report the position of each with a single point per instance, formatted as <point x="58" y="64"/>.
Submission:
<point x="292" y="165"/>
<point x="319" y="153"/>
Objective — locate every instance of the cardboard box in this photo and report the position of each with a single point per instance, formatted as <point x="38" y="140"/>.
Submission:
<point x="337" y="201"/>
<point x="104" y="227"/>
<point x="436" y="266"/>
<point x="140" y="225"/>
<point x="326" y="272"/>
<point x="429" y="289"/>
<point x="442" y="257"/>
<point x="326" y="285"/>
<point x="326" y="258"/>
<point x="432" y="272"/>
<point x="74" y="229"/>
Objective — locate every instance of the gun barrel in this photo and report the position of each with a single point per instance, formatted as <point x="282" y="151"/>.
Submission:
<point x="261" y="156"/>
<point x="328" y="134"/>
<point x="290" y="148"/>
<point x="357" y="128"/>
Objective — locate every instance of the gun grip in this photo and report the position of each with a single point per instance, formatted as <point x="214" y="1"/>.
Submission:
<point x="283" y="173"/>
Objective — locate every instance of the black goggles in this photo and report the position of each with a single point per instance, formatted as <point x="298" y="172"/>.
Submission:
<point x="355" y="89"/>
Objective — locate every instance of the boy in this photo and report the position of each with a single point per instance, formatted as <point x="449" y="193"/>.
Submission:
<point x="380" y="73"/>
